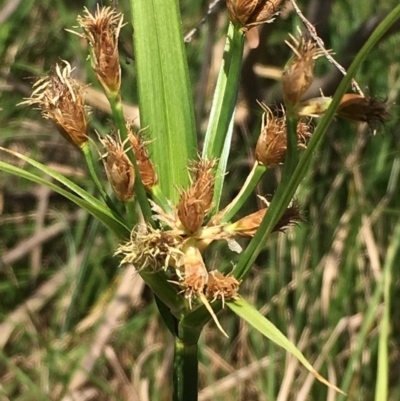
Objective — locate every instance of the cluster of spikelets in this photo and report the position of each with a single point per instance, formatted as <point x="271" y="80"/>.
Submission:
<point x="175" y="244"/>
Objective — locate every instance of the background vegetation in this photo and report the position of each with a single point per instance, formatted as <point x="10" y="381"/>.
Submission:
<point x="62" y="306"/>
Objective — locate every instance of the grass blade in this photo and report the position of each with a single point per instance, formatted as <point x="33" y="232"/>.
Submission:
<point x="251" y="315"/>
<point x="165" y="96"/>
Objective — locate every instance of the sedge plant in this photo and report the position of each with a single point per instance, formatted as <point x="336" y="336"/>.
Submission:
<point x="162" y="198"/>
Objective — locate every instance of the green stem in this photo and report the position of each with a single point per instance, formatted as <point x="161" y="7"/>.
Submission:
<point x="251" y="182"/>
<point x="292" y="153"/>
<point x="225" y="95"/>
<point x="89" y="162"/>
<point x="185" y="375"/>
<point x="165" y="291"/>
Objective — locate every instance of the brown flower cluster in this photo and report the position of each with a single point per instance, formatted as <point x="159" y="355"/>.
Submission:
<point x="148" y="174"/>
<point x="102" y="31"/>
<point x="119" y="169"/>
<point x="299" y="72"/>
<point x="61" y="100"/>
<point x="177" y="246"/>
<point x="298" y="77"/>
<point x="272" y="142"/>
<point x="249" y="13"/>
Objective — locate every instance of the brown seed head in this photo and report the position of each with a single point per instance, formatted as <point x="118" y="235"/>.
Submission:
<point x="248" y="225"/>
<point x="119" y="169"/>
<point x="272" y="142"/>
<point x="299" y="73"/>
<point x="102" y="31"/>
<point x="249" y="13"/>
<point x="221" y="287"/>
<point x="61" y="100"/>
<point x="146" y="168"/>
<point x="150" y="249"/>
<point x="196" y="202"/>
<point x="361" y="108"/>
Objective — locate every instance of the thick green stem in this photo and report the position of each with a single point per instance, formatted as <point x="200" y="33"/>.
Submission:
<point x="186" y="368"/>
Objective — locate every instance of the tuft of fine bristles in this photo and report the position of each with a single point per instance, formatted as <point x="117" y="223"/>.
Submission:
<point x="61" y="100"/>
<point x="102" y="31"/>
<point x="119" y="169"/>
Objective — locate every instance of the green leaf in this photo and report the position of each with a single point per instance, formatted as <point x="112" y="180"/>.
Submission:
<point x="165" y="96"/>
<point x="251" y="315"/>
<point x="217" y="142"/>
<point x="382" y="383"/>
<point x="225" y="95"/>
<point x="89" y="203"/>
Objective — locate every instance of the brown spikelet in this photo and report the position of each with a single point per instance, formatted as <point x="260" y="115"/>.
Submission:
<point x="249" y="13"/>
<point x="119" y="169"/>
<point x="299" y="73"/>
<point x="196" y="202"/>
<point x="61" y="100"/>
<point x="272" y="142"/>
<point x="102" y="31"/>
<point x="248" y="225"/>
<point x="221" y="287"/>
<point x="145" y="166"/>
<point x="362" y="108"/>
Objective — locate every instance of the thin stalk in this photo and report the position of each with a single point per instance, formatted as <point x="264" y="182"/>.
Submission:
<point x="382" y="383"/>
<point x="89" y="162"/>
<point x="225" y="95"/>
<point x="185" y="376"/>
<point x="251" y="182"/>
<point x="292" y="153"/>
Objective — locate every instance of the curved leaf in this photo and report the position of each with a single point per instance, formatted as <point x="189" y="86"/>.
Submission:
<point x="83" y="200"/>
<point x="252" y="316"/>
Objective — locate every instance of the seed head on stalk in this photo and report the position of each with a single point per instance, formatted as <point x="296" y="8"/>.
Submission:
<point x="299" y="72"/>
<point x="61" y="100"/>
<point x="102" y="31"/>
<point x="145" y="165"/>
<point x="119" y="169"/>
<point x="272" y="142"/>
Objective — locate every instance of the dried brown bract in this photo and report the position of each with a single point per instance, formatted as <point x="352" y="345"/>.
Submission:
<point x="61" y="100"/>
<point x="362" y="108"/>
<point x="249" y="13"/>
<point x="119" y="169"/>
<point x="299" y="73"/>
<point x="196" y="202"/>
<point x="145" y="166"/>
<point x="102" y="31"/>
